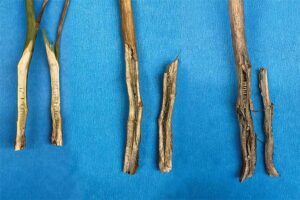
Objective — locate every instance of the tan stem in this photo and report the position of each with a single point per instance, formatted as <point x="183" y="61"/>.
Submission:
<point x="56" y="137"/>
<point x="244" y="103"/>
<point x="53" y="61"/>
<point x="22" y="96"/>
<point x="23" y="67"/>
<point x="165" y="118"/>
<point x="268" y="112"/>
<point x="133" y="89"/>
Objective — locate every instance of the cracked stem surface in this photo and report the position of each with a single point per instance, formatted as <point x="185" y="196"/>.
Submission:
<point x="165" y="118"/>
<point x="268" y="117"/>
<point x="244" y="103"/>
<point x="133" y="89"/>
<point x="23" y="66"/>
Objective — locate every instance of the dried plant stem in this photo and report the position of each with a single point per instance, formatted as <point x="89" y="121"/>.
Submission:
<point x="244" y="103"/>
<point x="56" y="137"/>
<point x="23" y="66"/>
<point x="268" y="111"/>
<point x="165" y="118"/>
<point x="133" y="88"/>
<point x="53" y="60"/>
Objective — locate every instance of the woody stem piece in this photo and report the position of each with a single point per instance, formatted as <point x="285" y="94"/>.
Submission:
<point x="268" y="117"/>
<point x="53" y="60"/>
<point x="133" y="88"/>
<point x="244" y="103"/>
<point x="23" y="66"/>
<point x="165" y="118"/>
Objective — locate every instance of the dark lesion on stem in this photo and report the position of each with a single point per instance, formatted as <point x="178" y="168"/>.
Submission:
<point x="53" y="60"/>
<point x="244" y="103"/>
<point x="133" y="89"/>
<point x="165" y="117"/>
<point x="268" y="117"/>
<point x="23" y="66"/>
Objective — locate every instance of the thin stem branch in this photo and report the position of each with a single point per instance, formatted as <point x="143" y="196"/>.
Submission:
<point x="59" y="29"/>
<point x="133" y="88"/>
<point x="268" y="112"/>
<point x="244" y="104"/>
<point x="23" y="65"/>
<point x="165" y="118"/>
<point x="38" y="21"/>
<point x="53" y="60"/>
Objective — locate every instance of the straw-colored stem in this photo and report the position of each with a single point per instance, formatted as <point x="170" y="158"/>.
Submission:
<point x="268" y="117"/>
<point x="23" y="67"/>
<point x="165" y="118"/>
<point x="56" y="137"/>
<point x="53" y="61"/>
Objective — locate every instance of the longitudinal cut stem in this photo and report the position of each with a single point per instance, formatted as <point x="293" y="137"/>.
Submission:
<point x="53" y="60"/>
<point x="244" y="103"/>
<point x="133" y="88"/>
<point x="165" y="118"/>
<point x="268" y="110"/>
<point x="23" y="66"/>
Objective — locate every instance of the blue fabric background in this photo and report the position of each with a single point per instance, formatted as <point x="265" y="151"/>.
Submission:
<point x="94" y="101"/>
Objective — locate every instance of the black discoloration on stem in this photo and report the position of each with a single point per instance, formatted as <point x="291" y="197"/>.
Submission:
<point x="244" y="103"/>
<point x="268" y="112"/>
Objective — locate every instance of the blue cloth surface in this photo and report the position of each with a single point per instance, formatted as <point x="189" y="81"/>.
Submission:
<point x="206" y="154"/>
